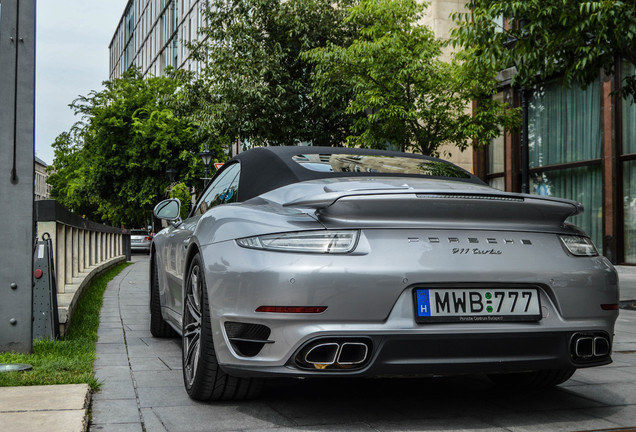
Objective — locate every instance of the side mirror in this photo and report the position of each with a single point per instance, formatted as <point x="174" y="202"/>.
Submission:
<point x="169" y="209"/>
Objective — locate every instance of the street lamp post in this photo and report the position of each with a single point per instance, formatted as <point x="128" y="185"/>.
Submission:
<point x="172" y="173"/>
<point x="206" y="156"/>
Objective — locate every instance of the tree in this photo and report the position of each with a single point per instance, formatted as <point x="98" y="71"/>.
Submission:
<point x="546" y="38"/>
<point x="255" y="85"/>
<point x="182" y="192"/>
<point x="68" y="174"/>
<point x="112" y="165"/>
<point x="401" y="93"/>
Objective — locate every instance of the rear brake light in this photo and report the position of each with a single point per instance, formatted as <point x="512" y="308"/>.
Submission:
<point x="579" y="245"/>
<point x="292" y="309"/>
<point x="610" y="306"/>
<point x="324" y="241"/>
<point x="148" y="238"/>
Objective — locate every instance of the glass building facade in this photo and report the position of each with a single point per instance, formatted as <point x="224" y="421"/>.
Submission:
<point x="153" y="34"/>
<point x="582" y="146"/>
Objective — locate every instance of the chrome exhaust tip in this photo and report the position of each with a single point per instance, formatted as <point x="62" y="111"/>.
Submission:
<point x="591" y="346"/>
<point x="333" y="354"/>
<point x="322" y="354"/>
<point x="584" y="347"/>
<point x="601" y="346"/>
<point x="352" y="353"/>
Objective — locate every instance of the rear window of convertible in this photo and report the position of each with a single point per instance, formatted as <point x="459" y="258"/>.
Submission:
<point x="378" y="164"/>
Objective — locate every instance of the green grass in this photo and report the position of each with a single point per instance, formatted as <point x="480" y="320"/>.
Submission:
<point x="68" y="360"/>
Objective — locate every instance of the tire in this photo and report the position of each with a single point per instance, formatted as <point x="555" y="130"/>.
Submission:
<point x="203" y="377"/>
<point x="532" y="380"/>
<point x="158" y="326"/>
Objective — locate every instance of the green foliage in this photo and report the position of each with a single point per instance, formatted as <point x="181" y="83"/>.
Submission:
<point x="112" y="164"/>
<point x="182" y="192"/>
<point x="401" y="94"/>
<point x="256" y="86"/>
<point x="573" y="38"/>
<point x="68" y="360"/>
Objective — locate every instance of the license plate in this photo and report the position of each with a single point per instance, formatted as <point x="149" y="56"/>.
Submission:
<point x="136" y="241"/>
<point x="476" y="304"/>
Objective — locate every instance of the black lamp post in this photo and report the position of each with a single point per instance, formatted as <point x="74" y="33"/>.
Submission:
<point x="525" y="148"/>
<point x="525" y="93"/>
<point x="206" y="156"/>
<point x="172" y="173"/>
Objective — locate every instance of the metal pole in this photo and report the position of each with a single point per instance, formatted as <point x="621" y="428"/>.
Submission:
<point x="207" y="175"/>
<point x="17" y="93"/>
<point x="525" y="153"/>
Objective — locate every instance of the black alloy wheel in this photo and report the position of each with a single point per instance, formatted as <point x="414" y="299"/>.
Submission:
<point x="202" y="376"/>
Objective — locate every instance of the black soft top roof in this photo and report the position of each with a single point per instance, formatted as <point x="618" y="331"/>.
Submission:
<point x="267" y="168"/>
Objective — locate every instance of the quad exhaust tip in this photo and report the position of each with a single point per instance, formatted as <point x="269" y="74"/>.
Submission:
<point x="590" y="347"/>
<point x="334" y="355"/>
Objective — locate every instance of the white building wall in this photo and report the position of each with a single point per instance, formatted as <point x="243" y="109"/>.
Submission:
<point x="41" y="190"/>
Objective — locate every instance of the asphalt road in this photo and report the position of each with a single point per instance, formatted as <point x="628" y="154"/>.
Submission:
<point x="143" y="389"/>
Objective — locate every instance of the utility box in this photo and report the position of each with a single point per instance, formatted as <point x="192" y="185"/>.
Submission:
<point x="45" y="315"/>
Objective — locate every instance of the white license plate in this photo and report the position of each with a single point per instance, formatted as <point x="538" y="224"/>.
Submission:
<point x="136" y="241"/>
<point x="476" y="304"/>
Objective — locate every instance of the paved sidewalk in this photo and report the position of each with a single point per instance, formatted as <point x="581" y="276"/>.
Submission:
<point x="143" y="390"/>
<point x="130" y="362"/>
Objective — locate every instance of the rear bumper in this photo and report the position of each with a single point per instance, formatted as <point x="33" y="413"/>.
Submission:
<point x="369" y="295"/>
<point x="443" y="354"/>
<point x="145" y="247"/>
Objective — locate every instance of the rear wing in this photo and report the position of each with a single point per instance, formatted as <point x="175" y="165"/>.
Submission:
<point x="406" y="206"/>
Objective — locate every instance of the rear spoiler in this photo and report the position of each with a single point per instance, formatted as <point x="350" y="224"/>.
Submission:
<point x="327" y="199"/>
<point x="441" y="208"/>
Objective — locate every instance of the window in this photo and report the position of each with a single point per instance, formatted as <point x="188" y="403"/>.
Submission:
<point x="564" y="140"/>
<point x="224" y="189"/>
<point x="376" y="164"/>
<point x="628" y="159"/>
<point x="564" y="124"/>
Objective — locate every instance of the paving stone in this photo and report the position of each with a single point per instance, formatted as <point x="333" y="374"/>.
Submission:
<point x="118" y="427"/>
<point x="153" y="397"/>
<point x="550" y="421"/>
<point x="220" y="417"/>
<point x="151" y="421"/>
<point x="115" y="411"/>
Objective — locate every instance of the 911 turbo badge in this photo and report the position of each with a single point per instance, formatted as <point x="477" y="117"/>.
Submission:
<point x="476" y="251"/>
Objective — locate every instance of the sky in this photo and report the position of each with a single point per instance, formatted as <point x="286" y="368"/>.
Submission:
<point x="72" y="38"/>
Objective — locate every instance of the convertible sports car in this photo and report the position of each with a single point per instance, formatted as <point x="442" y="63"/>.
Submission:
<point x="311" y="261"/>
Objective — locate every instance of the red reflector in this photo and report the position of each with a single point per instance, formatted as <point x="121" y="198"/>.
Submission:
<point x="292" y="309"/>
<point x="610" y="306"/>
<point x="38" y="273"/>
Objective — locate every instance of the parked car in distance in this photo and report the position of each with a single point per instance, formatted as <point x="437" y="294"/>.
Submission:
<point x="338" y="262"/>
<point x="140" y="240"/>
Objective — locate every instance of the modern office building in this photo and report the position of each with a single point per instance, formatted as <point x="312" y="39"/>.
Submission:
<point x="152" y="34"/>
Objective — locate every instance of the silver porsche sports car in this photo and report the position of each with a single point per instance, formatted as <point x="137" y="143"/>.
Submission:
<point x="312" y="262"/>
